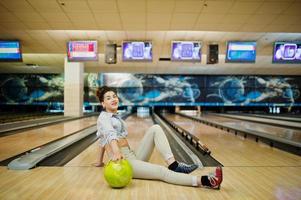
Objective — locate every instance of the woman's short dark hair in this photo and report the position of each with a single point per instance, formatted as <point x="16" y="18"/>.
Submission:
<point x="100" y="93"/>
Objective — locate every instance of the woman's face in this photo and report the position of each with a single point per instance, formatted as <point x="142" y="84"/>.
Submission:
<point x="110" y="102"/>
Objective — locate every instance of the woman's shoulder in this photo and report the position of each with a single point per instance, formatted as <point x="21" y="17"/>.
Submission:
<point x="104" y="115"/>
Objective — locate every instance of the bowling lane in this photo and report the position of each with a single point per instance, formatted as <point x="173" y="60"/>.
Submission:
<point x="18" y="143"/>
<point x="136" y="129"/>
<point x="292" y="118"/>
<point x="274" y="122"/>
<point x="88" y="182"/>
<point x="233" y="150"/>
<point x="80" y="183"/>
<point x="286" y="133"/>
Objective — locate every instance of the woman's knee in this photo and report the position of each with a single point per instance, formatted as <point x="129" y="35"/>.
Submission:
<point x="147" y="170"/>
<point x="164" y="174"/>
<point x="156" y="127"/>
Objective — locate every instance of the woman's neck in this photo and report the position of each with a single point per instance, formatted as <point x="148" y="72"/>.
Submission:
<point x="111" y="111"/>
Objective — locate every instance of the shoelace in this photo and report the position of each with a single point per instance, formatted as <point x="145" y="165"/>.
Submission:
<point x="212" y="178"/>
<point x="186" y="165"/>
<point x="187" y="168"/>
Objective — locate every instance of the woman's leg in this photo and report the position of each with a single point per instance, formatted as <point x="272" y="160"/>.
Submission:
<point x="146" y="170"/>
<point x="154" y="136"/>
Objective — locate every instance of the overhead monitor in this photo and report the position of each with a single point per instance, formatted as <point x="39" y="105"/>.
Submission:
<point x="10" y="51"/>
<point x="137" y="51"/>
<point x="186" y="51"/>
<point x="287" y="52"/>
<point x="241" y="52"/>
<point x="82" y="51"/>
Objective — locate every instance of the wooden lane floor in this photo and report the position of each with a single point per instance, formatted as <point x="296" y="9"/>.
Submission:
<point x="12" y="145"/>
<point x="136" y="128"/>
<point x="252" y="170"/>
<point x="78" y="180"/>
<point x="233" y="150"/>
<point x="286" y="133"/>
<point x="52" y="183"/>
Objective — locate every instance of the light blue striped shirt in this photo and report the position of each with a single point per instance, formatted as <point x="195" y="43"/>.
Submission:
<point x="110" y="127"/>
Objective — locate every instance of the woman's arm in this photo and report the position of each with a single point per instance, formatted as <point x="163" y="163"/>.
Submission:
<point x="117" y="155"/>
<point x="100" y="162"/>
<point x="101" y="154"/>
<point x="108" y="136"/>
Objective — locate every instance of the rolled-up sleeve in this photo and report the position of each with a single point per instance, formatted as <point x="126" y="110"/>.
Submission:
<point x="106" y="131"/>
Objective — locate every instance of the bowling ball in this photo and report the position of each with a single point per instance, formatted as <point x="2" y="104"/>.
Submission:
<point x="118" y="174"/>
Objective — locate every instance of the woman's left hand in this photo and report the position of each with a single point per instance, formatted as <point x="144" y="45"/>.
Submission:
<point x="98" y="164"/>
<point x="117" y="156"/>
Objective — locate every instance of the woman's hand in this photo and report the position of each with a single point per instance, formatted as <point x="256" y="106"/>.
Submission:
<point x="98" y="164"/>
<point x="117" y="156"/>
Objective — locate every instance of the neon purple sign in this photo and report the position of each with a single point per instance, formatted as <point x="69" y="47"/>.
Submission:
<point x="287" y="52"/>
<point x="185" y="51"/>
<point x="137" y="51"/>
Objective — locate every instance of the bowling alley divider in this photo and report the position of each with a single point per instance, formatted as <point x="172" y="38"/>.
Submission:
<point x="271" y="140"/>
<point x="8" y="128"/>
<point x="180" y="150"/>
<point x="285" y="124"/>
<point x="298" y="120"/>
<point x="193" y="143"/>
<point x="191" y="138"/>
<point x="47" y="153"/>
<point x="32" y="158"/>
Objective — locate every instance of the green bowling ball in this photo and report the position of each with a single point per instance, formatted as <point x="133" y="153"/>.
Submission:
<point x="118" y="174"/>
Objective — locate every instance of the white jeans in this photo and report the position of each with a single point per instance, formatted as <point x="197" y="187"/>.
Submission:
<point x="155" y="137"/>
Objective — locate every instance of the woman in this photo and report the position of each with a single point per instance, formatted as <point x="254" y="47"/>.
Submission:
<point x="112" y="133"/>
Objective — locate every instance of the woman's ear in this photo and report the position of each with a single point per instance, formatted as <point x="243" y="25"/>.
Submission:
<point x="103" y="105"/>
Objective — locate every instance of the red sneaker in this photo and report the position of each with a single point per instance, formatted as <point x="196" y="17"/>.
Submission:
<point x="216" y="179"/>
